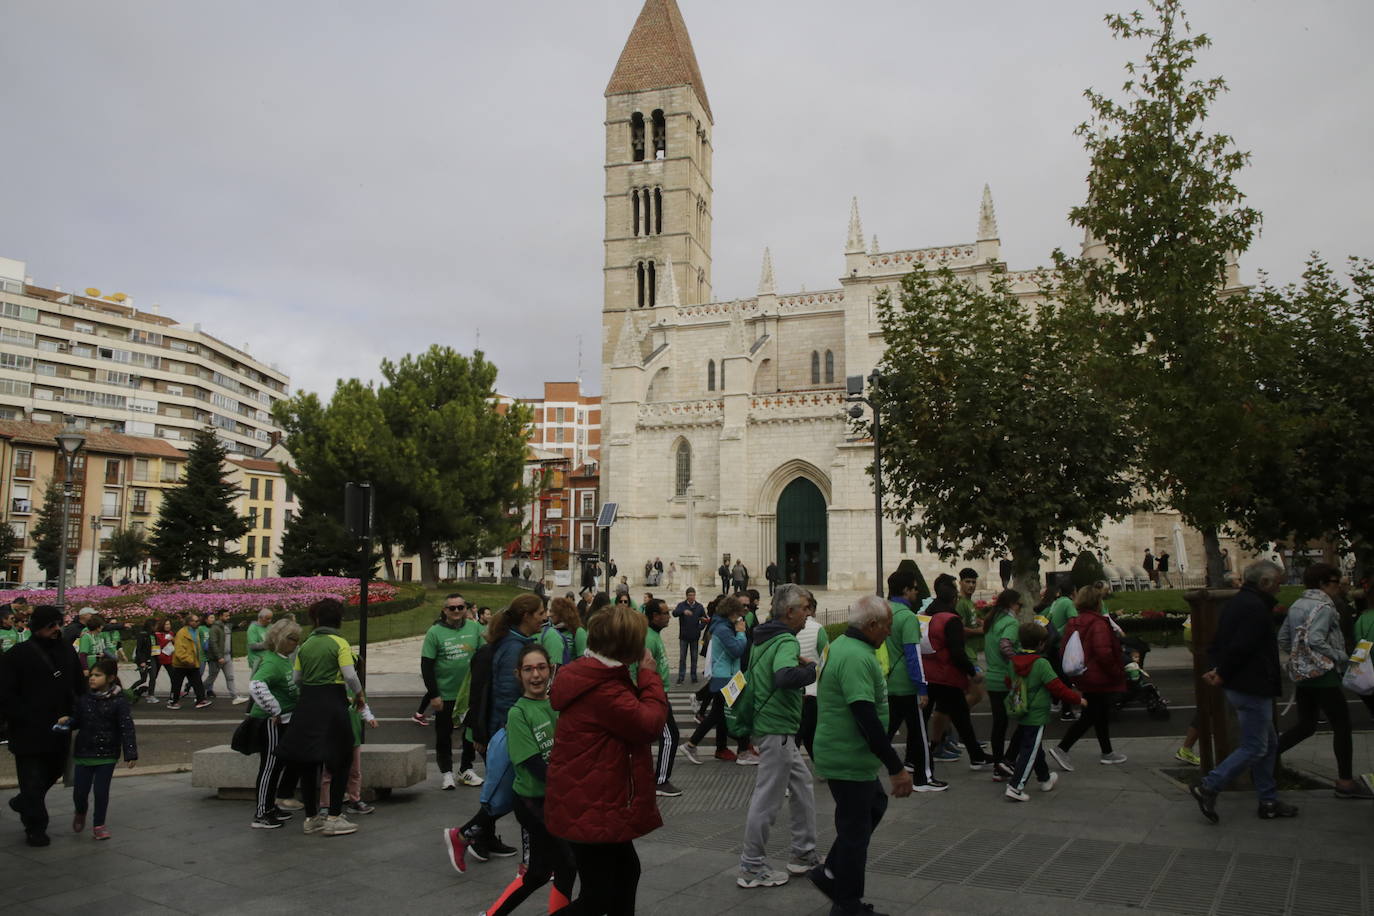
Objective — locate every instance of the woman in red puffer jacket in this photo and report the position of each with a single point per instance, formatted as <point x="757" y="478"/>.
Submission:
<point x="1104" y="678"/>
<point x="600" y="790"/>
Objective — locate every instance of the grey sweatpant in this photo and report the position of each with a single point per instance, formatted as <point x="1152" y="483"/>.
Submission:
<point x="781" y="767"/>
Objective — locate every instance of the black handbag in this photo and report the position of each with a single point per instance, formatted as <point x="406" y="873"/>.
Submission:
<point x="248" y="736"/>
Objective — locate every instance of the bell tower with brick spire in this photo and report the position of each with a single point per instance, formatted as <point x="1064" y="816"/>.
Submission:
<point x="658" y="174"/>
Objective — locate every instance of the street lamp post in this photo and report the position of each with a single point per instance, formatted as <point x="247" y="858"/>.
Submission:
<point x="854" y="386"/>
<point x="70" y="441"/>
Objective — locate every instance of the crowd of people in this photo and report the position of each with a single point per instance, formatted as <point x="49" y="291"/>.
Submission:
<point x="566" y="703"/>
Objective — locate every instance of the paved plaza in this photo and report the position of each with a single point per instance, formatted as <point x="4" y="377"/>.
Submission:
<point x="1108" y="840"/>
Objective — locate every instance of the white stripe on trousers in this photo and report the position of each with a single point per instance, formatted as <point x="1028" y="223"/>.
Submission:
<point x="667" y="749"/>
<point x="1023" y="777"/>
<point x="265" y="780"/>
<point x="924" y="747"/>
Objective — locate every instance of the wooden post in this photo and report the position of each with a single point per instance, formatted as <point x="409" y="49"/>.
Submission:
<point x="1218" y="738"/>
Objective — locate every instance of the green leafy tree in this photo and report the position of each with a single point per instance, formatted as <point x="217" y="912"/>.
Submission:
<point x="10" y="543"/>
<point x="997" y="435"/>
<point x="316" y="544"/>
<point x="47" y="532"/>
<point x="445" y="465"/>
<point x="128" y="547"/>
<point x="1086" y="569"/>
<point x="1317" y="482"/>
<point x="1163" y="201"/>
<point x="197" y="518"/>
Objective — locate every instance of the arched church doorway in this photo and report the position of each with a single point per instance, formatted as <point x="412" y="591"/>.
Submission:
<point x="802" y="542"/>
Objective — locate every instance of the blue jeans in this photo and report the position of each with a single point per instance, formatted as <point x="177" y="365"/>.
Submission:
<point x="1258" y="749"/>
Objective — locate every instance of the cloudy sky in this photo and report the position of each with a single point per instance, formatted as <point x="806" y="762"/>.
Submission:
<point x="333" y="182"/>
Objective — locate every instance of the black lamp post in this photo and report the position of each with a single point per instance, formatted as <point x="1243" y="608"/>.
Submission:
<point x="854" y="387"/>
<point x="70" y="442"/>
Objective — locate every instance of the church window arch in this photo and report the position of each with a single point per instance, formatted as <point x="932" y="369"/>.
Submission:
<point x="682" y="467"/>
<point x="634" y="209"/>
<point x="658" y="211"/>
<point x="652" y="280"/>
<point x="829" y="366"/>
<point x="701" y="284"/>
<point x="710" y="375"/>
<point x="722" y="375"/>
<point x="637" y="136"/>
<point x="660" y="127"/>
<point x="815" y="367"/>
<point x="639" y="275"/>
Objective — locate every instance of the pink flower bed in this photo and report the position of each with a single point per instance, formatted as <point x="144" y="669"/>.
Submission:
<point x="233" y="596"/>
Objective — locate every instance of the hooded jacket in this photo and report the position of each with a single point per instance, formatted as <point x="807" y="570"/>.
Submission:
<point x="39" y="682"/>
<point x="727" y="647"/>
<point x="505" y="686"/>
<point x="777" y="691"/>
<point x="1041" y="683"/>
<point x="1101" y="650"/>
<point x="1245" y="652"/>
<point x="104" y="725"/>
<point x="601" y="777"/>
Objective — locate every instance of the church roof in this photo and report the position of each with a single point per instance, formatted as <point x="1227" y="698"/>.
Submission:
<point x="658" y="54"/>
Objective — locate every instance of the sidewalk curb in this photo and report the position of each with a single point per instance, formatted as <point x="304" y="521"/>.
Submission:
<point x="125" y="773"/>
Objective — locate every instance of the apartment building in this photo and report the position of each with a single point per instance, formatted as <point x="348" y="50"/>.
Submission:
<point x="118" y="481"/>
<point x="101" y="364"/>
<point x="567" y="421"/>
<point x="267" y="499"/>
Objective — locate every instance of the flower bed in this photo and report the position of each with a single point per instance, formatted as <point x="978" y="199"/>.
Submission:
<point x="236" y="597"/>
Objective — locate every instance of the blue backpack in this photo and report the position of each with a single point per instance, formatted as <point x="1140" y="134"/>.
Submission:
<point x="498" y="792"/>
<point x="567" y="642"/>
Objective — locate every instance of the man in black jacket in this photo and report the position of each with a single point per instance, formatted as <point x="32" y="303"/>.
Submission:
<point x="39" y="681"/>
<point x="1245" y="663"/>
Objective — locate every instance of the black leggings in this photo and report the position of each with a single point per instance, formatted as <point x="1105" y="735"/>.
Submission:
<point x="1096" y="715"/>
<point x="951" y="702"/>
<point x="276" y="777"/>
<point x="610" y="879"/>
<point x="443" y="741"/>
<point x="1331" y="701"/>
<point x="715" y="718"/>
<point x="191" y="675"/>
<point x="998" y="700"/>
<point x="97" y="777"/>
<point x="550" y="857"/>
<point x="338" y="784"/>
<point x="905" y="709"/>
<point x="147" y="678"/>
<point x="807" y="732"/>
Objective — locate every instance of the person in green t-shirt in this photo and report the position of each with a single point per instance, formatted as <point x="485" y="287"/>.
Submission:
<point x="906" y="684"/>
<point x="974" y="629"/>
<point x="273" y="692"/>
<point x="1031" y="683"/>
<point x="530" y="726"/>
<point x="91" y="645"/>
<point x="776" y="677"/>
<point x="9" y="636"/>
<point x="1002" y="642"/>
<point x="256" y="638"/>
<point x="445" y="658"/>
<point x="851" y="746"/>
<point x="659" y="616"/>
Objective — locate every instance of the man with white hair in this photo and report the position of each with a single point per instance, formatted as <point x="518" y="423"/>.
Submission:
<point x="778" y="673"/>
<point x="851" y="745"/>
<point x="1245" y="663"/>
<point x="257" y="638"/>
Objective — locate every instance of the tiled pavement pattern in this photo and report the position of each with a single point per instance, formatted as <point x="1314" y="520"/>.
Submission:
<point x="1111" y="840"/>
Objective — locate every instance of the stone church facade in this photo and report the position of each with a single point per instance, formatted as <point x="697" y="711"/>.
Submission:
<point x="725" y="429"/>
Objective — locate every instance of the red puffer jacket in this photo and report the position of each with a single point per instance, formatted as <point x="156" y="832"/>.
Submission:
<point x="1101" y="650"/>
<point x="601" y="776"/>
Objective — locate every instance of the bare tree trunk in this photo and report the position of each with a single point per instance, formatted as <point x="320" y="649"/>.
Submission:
<point x="1216" y="566"/>
<point x="429" y="571"/>
<point x="388" y="560"/>
<point x="1025" y="575"/>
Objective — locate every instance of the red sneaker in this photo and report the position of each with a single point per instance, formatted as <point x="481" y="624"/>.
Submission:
<point x="727" y="755"/>
<point x="456" y="847"/>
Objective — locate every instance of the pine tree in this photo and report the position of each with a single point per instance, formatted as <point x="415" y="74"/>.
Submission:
<point x="47" y="534"/>
<point x="197" y="519"/>
<point x="316" y="544"/>
<point x="128" y="547"/>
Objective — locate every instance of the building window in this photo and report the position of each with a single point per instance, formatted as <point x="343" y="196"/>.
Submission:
<point x="660" y="134"/>
<point x="20" y="498"/>
<point x="829" y="366"/>
<point x="266" y="551"/>
<point x="140" y="501"/>
<point x="684" y="468"/>
<point x="267" y="488"/>
<point x="287" y="516"/>
<point x="170" y="471"/>
<point x="588" y="504"/>
<point x="250" y="546"/>
<point x="252" y="488"/>
<point x="637" y="137"/>
<point x="815" y="368"/>
<point x="634" y="209"/>
<point x="267" y="518"/>
<point x="710" y="375"/>
<point x="653" y="285"/>
<point x="658" y="211"/>
<point x="289" y="497"/>
<point x="112" y="475"/>
<point x="722" y="375"/>
<point x="109" y="504"/>
<point x="140" y="469"/>
<point x="639" y="278"/>
<point x="23" y="463"/>
<point x="266" y="570"/>
<point x="21" y="531"/>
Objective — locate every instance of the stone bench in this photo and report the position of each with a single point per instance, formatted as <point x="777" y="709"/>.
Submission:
<point x="234" y="775"/>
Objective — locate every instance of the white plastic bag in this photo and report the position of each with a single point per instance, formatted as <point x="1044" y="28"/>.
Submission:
<point x="926" y="647"/>
<point x="1359" y="676"/>
<point x="1074" y="663"/>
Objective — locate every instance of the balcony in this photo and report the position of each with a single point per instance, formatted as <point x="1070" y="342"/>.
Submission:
<point x="21" y="506"/>
<point x="110" y="510"/>
<point x="138" y="509"/>
<point x="23" y="470"/>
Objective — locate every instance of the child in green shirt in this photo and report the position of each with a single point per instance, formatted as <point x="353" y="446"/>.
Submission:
<point x="1030" y="685"/>
<point x="529" y="736"/>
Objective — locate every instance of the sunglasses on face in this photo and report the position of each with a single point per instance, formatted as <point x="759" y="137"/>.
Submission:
<point x="455" y="607"/>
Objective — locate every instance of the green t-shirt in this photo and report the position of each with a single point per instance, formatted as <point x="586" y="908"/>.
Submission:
<point x="9" y="638"/>
<point x="529" y="733"/>
<point x="654" y="642"/>
<point x="906" y="630"/>
<point x="91" y="647"/>
<point x="556" y="642"/>
<point x="1037" y="694"/>
<point x="112" y="642"/>
<point x="94" y="761"/>
<point x="452" y="649"/>
<point x="851" y="674"/>
<point x="256" y="634"/>
<point x="275" y="671"/>
<point x="322" y="657"/>
<point x="968" y="613"/>
<point x="1002" y="626"/>
<point x="776" y="712"/>
<point x="580" y="642"/>
<point x="1059" y="613"/>
<point x="1364" y="627"/>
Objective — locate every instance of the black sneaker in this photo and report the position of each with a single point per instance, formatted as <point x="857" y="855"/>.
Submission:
<point x="1068" y="715"/>
<point x="823" y="880"/>
<point x="501" y="849"/>
<point x="266" y="823"/>
<point x="37" y="838"/>
<point x="478" y="847"/>
<point x="930" y="785"/>
<point x="1207" y="801"/>
<point x="666" y="789"/>
<point x="280" y="816"/>
<point x="1268" y="810"/>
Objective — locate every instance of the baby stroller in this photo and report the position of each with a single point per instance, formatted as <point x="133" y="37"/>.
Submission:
<point x="1140" y="687"/>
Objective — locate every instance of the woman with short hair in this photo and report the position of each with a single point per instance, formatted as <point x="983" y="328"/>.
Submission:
<point x="274" y="695"/>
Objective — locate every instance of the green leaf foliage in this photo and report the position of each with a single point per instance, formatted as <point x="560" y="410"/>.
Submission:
<point x="128" y="547"/>
<point x="47" y="532"/>
<point x="196" y="519"/>
<point x="997" y="435"/>
<point x="1086" y="570"/>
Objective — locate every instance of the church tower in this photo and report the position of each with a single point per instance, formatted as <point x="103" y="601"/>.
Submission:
<point x="658" y="177"/>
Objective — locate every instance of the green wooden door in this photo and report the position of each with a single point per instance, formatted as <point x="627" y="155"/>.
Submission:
<point x="802" y="543"/>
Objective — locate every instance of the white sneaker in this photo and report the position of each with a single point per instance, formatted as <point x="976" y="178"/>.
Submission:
<point x="469" y="777"/>
<point x="763" y="876"/>
<point x="1015" y="794"/>
<point x="1049" y="784"/>
<point x="1061" y="758"/>
<point x="338" y="826"/>
<point x="448" y="782"/>
<point x="747" y="759"/>
<point x="1112" y="759"/>
<point x="239" y="701"/>
<point x="315" y="824"/>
